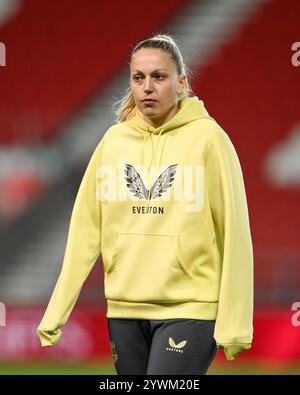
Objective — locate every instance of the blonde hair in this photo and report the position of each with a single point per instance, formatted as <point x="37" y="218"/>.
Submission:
<point x="167" y="44"/>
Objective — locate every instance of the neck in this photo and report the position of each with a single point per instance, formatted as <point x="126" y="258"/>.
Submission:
<point x="161" y="120"/>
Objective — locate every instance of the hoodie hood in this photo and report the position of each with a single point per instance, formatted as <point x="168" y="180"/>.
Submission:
<point x="191" y="109"/>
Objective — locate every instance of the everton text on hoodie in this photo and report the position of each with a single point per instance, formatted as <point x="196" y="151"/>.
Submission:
<point x="166" y="207"/>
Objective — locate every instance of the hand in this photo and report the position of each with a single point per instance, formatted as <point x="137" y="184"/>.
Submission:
<point x="233" y="350"/>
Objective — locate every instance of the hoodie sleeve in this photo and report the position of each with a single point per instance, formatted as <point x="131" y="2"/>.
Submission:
<point x="227" y="197"/>
<point x="82" y="250"/>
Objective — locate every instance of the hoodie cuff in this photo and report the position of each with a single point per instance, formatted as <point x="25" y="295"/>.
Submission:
<point x="232" y="350"/>
<point x="48" y="338"/>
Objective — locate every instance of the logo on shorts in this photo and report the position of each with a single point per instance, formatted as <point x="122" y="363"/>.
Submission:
<point x="113" y="350"/>
<point x="176" y="347"/>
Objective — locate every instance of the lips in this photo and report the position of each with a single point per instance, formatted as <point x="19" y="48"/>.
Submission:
<point x="149" y="101"/>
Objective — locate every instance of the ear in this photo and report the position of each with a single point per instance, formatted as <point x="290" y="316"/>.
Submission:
<point x="181" y="84"/>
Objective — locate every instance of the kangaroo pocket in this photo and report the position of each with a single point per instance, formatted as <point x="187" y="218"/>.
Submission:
<point x="146" y="268"/>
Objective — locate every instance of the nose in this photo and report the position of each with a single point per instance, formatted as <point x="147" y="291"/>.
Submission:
<point x="148" y="85"/>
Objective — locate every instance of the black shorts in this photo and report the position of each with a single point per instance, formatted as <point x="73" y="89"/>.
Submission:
<point x="174" y="346"/>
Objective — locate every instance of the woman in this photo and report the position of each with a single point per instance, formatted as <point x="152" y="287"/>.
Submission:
<point x="163" y="200"/>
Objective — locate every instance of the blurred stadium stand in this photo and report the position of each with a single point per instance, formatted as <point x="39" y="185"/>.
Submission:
<point x="67" y="65"/>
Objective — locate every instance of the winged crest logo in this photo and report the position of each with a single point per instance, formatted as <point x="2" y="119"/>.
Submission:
<point x="113" y="350"/>
<point x="179" y="345"/>
<point x="136" y="184"/>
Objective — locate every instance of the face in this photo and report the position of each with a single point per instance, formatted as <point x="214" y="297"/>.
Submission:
<point x="153" y="75"/>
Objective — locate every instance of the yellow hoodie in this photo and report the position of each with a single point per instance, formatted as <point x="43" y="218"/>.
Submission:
<point x="167" y="210"/>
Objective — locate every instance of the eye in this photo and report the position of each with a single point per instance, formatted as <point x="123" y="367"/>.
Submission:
<point x="137" y="77"/>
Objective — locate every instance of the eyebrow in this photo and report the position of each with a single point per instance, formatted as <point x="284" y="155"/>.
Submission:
<point x="151" y="71"/>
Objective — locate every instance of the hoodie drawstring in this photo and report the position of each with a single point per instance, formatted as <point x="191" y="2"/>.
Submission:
<point x="153" y="158"/>
<point x="142" y="153"/>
